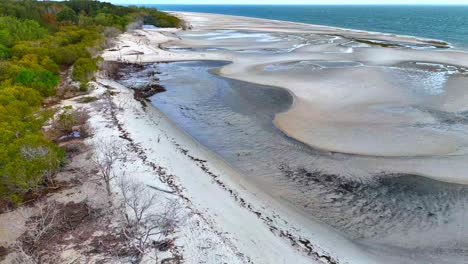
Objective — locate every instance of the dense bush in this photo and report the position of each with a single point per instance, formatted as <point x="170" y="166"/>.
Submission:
<point x="67" y="15"/>
<point x="27" y="163"/>
<point x="4" y="52"/>
<point x="42" y="81"/>
<point x="83" y="69"/>
<point x="13" y="30"/>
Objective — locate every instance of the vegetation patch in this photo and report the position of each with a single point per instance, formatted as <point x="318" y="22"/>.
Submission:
<point x="39" y="42"/>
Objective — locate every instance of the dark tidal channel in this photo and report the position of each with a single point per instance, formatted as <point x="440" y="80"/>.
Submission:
<point x="234" y="120"/>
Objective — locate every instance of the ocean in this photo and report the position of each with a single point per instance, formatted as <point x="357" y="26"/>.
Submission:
<point x="449" y="23"/>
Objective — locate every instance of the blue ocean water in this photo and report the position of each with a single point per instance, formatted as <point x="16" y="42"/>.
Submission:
<point x="449" y="23"/>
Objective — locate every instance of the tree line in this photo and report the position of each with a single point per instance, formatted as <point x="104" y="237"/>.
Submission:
<point x="38" y="40"/>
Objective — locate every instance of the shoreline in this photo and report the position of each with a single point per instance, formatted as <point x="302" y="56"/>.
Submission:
<point x="247" y="205"/>
<point x="236" y="70"/>
<point x="409" y="37"/>
<point x="247" y="69"/>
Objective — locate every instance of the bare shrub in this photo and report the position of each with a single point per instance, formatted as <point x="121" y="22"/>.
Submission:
<point x="147" y="219"/>
<point x="134" y="25"/>
<point x="123" y="102"/>
<point x="111" y="32"/>
<point x="87" y="99"/>
<point x="110" y="69"/>
<point x="31" y="152"/>
<point x="73" y="147"/>
<point x="85" y="130"/>
<point x="71" y="120"/>
<point x="66" y="91"/>
<point x="44" y="222"/>
<point x="22" y="256"/>
<point x="49" y="225"/>
<point x="105" y="157"/>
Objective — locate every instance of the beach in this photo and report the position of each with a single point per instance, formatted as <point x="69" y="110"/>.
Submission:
<point x="349" y="96"/>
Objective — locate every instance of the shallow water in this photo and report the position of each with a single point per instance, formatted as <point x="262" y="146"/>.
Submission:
<point x="429" y="21"/>
<point x="413" y="215"/>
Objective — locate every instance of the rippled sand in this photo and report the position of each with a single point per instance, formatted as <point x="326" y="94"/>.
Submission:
<point x="368" y="94"/>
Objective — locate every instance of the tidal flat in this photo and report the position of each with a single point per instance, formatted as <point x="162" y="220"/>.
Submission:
<point x="366" y="138"/>
<point x="234" y="119"/>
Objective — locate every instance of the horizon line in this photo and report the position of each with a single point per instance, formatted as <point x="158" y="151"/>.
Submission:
<point x="302" y="4"/>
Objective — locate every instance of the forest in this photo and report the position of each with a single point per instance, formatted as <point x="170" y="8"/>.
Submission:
<point x="39" y="40"/>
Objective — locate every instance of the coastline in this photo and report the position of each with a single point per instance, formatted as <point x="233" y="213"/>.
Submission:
<point x="331" y="28"/>
<point x="297" y="227"/>
<point x="242" y="216"/>
<point x="299" y="237"/>
<point x="293" y="122"/>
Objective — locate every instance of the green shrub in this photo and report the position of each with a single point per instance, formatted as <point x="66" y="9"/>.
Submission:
<point x="37" y="62"/>
<point x="27" y="163"/>
<point x="4" y="52"/>
<point x="13" y="30"/>
<point x="84" y="87"/>
<point x="84" y="69"/>
<point x="67" y="15"/>
<point x="42" y="81"/>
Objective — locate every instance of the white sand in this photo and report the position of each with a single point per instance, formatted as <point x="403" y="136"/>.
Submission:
<point x="223" y="226"/>
<point x="336" y="110"/>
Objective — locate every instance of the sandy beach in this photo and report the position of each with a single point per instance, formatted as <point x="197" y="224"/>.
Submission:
<point x="240" y="219"/>
<point x="350" y="96"/>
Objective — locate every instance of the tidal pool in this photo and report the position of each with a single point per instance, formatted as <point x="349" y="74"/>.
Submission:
<point x="409" y="215"/>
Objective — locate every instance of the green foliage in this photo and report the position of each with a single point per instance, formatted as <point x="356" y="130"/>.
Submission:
<point x="13" y="30"/>
<point x="159" y="19"/>
<point x="106" y="14"/>
<point x="65" y="120"/>
<point x="36" y="62"/>
<point x="4" y="52"/>
<point x="26" y="163"/>
<point x="83" y="69"/>
<point x="42" y="81"/>
<point x="84" y="13"/>
<point x="67" y="15"/>
<point x="26" y="157"/>
<point x="104" y="19"/>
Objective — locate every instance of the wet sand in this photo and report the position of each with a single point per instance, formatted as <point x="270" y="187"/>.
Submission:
<point x="234" y="120"/>
<point x="384" y="109"/>
<point x="406" y="102"/>
<point x="387" y="106"/>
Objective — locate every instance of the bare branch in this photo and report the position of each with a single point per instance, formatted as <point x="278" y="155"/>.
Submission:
<point x="147" y="218"/>
<point x="106" y="155"/>
<point x="45" y="220"/>
<point x="22" y="257"/>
